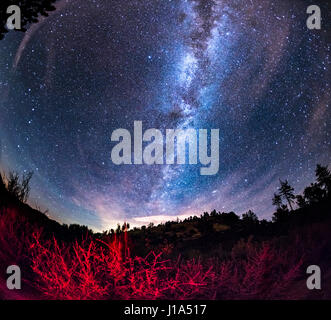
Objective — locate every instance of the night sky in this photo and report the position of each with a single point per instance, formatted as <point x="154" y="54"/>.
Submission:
<point x="251" y="69"/>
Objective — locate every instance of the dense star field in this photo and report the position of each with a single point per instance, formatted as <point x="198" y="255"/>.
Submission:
<point x="251" y="69"/>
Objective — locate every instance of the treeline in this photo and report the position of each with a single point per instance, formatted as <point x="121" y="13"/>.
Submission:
<point x="212" y="233"/>
<point x="215" y="233"/>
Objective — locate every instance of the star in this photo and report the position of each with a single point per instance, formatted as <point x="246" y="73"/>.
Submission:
<point x="253" y="70"/>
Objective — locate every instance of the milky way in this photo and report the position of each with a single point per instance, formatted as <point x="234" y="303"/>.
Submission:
<point x="252" y="69"/>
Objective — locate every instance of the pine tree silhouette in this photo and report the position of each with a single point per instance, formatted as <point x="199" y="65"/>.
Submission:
<point x="277" y="200"/>
<point x="287" y="192"/>
<point x="323" y="177"/>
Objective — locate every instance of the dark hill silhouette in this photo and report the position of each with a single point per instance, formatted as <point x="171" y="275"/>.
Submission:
<point x="217" y="255"/>
<point x="211" y="234"/>
<point x="10" y="201"/>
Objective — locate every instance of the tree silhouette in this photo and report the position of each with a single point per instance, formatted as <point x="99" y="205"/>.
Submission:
<point x="314" y="193"/>
<point x="2" y="191"/>
<point x="323" y="177"/>
<point x="250" y="217"/>
<point x="20" y="189"/>
<point x="125" y="227"/>
<point x="281" y="215"/>
<point x="277" y="200"/>
<point x="118" y="229"/>
<point x="31" y="10"/>
<point x="301" y="201"/>
<point x="287" y="192"/>
<point x="2" y="184"/>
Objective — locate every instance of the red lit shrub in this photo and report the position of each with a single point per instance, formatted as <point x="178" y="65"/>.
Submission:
<point x="95" y="269"/>
<point x="265" y="273"/>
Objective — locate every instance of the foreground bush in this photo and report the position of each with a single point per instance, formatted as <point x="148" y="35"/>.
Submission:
<point x="104" y="269"/>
